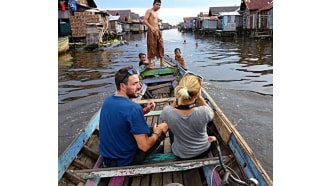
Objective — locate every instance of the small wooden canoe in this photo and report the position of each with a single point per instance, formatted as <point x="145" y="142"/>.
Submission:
<point x="63" y="45"/>
<point x="230" y="162"/>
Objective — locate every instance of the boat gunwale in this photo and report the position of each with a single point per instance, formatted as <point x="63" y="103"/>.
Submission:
<point x="69" y="154"/>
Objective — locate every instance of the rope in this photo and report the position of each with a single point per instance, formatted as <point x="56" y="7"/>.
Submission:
<point x="213" y="173"/>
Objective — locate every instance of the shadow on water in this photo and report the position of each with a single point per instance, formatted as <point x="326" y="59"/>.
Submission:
<point x="238" y="74"/>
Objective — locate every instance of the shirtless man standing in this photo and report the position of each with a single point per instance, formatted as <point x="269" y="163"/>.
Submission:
<point x="155" y="44"/>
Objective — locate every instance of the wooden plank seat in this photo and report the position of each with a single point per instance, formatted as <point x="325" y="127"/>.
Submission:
<point x="160" y="100"/>
<point x="181" y="165"/>
<point x="154" y="87"/>
<point x="159" y="80"/>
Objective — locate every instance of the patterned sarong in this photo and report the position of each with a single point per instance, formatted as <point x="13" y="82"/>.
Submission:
<point x="155" y="44"/>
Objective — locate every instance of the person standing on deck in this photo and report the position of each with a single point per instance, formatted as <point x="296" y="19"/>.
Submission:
<point x="125" y="136"/>
<point x="155" y="44"/>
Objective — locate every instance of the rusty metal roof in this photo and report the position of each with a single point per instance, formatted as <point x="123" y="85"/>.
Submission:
<point x="267" y="7"/>
<point x="257" y="4"/>
<point x="185" y="19"/>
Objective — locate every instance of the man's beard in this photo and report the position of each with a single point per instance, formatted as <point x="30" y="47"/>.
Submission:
<point x="131" y="94"/>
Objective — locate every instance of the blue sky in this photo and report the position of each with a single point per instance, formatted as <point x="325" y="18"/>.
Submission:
<point x="171" y="11"/>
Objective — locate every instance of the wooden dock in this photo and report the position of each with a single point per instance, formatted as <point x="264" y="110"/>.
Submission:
<point x="261" y="34"/>
<point x="221" y="33"/>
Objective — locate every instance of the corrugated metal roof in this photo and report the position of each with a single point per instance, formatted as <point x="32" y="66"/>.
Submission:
<point x="257" y="4"/>
<point x="93" y="10"/>
<point x="208" y="18"/>
<point x="216" y="10"/>
<point x="122" y="13"/>
<point x="269" y="6"/>
<point x="114" y="18"/>
<point x="228" y="13"/>
<point x="188" y="18"/>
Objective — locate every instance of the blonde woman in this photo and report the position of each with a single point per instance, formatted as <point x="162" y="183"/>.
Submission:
<point x="187" y="119"/>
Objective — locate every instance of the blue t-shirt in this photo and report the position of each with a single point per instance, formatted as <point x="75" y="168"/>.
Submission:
<point x="120" y="119"/>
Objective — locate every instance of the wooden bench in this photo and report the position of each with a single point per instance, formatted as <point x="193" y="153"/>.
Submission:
<point x="159" y="80"/>
<point x="181" y="165"/>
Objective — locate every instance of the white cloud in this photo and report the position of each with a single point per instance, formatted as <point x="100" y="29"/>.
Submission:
<point x="173" y="15"/>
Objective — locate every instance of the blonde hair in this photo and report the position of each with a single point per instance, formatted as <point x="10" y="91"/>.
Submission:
<point x="188" y="87"/>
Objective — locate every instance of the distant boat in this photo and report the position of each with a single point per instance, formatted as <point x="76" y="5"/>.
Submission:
<point x="63" y="45"/>
<point x="230" y="162"/>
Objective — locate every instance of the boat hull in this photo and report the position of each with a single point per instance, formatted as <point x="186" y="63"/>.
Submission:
<point x="80" y="163"/>
<point x="63" y="45"/>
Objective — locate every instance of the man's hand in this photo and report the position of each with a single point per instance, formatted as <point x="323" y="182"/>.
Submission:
<point x="152" y="29"/>
<point x="151" y="105"/>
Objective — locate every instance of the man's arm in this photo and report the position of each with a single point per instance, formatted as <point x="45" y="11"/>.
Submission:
<point x="145" y="142"/>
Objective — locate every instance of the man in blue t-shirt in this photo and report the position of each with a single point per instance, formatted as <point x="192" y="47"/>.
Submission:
<point x="125" y="136"/>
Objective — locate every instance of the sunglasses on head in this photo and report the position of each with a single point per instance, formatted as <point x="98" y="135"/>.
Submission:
<point x="191" y="73"/>
<point x="130" y="71"/>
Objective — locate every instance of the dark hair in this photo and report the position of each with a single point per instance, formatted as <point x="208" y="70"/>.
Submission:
<point x="177" y="49"/>
<point x="122" y="74"/>
<point x="140" y="54"/>
<point x="157" y="1"/>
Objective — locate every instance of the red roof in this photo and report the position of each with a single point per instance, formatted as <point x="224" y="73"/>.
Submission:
<point x="257" y="4"/>
<point x="269" y="6"/>
<point x="188" y="18"/>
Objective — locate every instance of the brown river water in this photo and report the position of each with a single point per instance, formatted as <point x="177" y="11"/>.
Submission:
<point x="238" y="74"/>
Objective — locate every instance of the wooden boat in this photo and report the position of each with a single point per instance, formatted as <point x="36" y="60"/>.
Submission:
<point x="230" y="161"/>
<point x="63" y="45"/>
